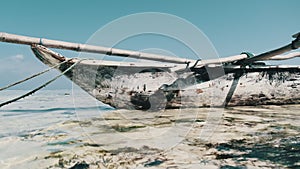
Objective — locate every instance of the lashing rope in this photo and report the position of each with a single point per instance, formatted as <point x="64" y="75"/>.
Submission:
<point x="32" y="76"/>
<point x="40" y="87"/>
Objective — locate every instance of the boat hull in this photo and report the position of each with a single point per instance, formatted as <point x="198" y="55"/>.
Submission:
<point x="159" y="86"/>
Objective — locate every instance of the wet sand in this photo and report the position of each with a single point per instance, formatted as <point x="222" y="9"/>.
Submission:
<point x="237" y="137"/>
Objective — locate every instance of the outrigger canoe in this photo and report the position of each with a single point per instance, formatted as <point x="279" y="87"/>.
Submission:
<point x="174" y="82"/>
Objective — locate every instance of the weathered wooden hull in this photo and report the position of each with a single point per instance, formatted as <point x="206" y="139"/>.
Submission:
<point x="152" y="86"/>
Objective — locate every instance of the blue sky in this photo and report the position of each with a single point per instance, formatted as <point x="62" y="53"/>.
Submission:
<point x="233" y="26"/>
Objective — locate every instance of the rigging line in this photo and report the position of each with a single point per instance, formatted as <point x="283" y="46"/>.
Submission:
<point x="42" y="86"/>
<point x="32" y="76"/>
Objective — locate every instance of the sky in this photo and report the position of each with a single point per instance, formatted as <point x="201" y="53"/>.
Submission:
<point x="232" y="26"/>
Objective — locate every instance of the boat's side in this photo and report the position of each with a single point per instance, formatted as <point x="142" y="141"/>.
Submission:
<point x="142" y="86"/>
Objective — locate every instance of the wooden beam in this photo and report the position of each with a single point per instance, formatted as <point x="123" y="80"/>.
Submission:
<point x="11" y="38"/>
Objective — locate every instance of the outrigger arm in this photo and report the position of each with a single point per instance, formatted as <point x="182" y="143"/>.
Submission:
<point x="242" y="59"/>
<point x="18" y="39"/>
<point x="295" y="44"/>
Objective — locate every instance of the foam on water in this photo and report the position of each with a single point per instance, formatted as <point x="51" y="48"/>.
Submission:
<point x="27" y="117"/>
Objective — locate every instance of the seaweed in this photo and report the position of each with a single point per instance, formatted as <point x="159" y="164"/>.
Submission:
<point x="285" y="152"/>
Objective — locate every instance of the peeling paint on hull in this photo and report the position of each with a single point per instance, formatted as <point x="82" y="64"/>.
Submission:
<point x="159" y="87"/>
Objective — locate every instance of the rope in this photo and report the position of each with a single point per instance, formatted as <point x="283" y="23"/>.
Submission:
<point x="40" y="87"/>
<point x="32" y="76"/>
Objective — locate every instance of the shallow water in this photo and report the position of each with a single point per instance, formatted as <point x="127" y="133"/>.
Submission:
<point x="68" y="128"/>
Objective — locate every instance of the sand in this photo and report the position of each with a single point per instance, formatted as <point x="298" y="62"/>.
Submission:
<point x="238" y="137"/>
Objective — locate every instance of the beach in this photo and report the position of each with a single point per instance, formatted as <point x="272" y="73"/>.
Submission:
<point x="67" y="129"/>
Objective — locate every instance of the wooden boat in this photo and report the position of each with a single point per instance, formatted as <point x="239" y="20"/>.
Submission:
<point x="174" y="82"/>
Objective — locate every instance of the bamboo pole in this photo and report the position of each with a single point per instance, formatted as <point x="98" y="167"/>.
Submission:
<point x="271" y="55"/>
<point x="11" y="38"/>
<point x="268" y="55"/>
<point x="287" y="56"/>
